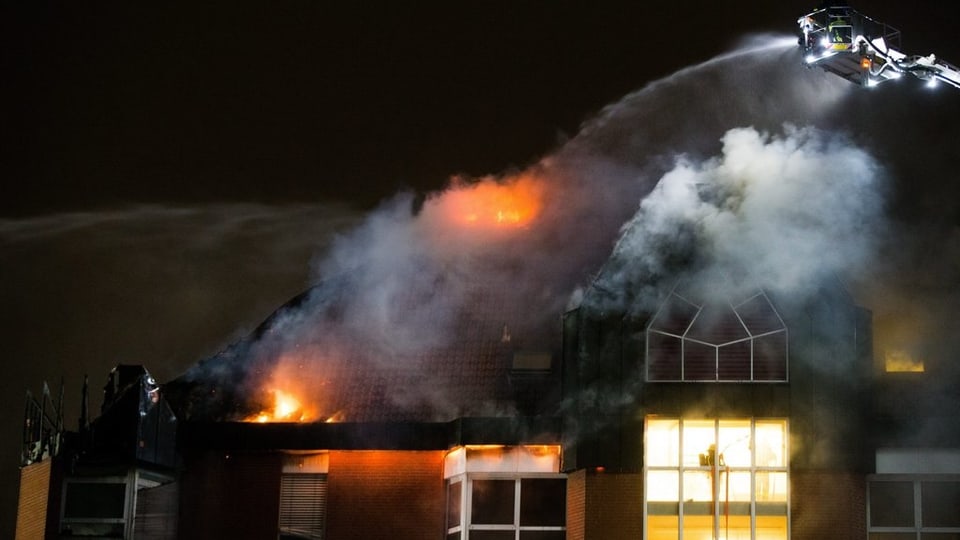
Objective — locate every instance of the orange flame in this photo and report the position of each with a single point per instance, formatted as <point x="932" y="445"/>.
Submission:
<point x="286" y="408"/>
<point x="515" y="203"/>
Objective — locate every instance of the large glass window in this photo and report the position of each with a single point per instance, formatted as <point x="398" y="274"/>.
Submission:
<point x="506" y="508"/>
<point x="739" y="340"/>
<point x="96" y="506"/>
<point x="717" y="478"/>
<point x="505" y="493"/>
<point x="914" y="507"/>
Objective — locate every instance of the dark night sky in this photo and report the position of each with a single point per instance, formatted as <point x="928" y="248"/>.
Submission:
<point x="169" y="172"/>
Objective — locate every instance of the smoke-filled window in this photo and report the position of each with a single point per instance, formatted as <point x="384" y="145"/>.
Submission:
<point x="710" y="478"/>
<point x="505" y="493"/>
<point x="716" y="340"/>
<point x="914" y="506"/>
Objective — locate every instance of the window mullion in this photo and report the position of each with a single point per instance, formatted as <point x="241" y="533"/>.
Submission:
<point x="682" y="471"/>
<point x="917" y="508"/>
<point x="516" y="510"/>
<point x="466" y="513"/>
<point x="715" y="480"/>
<point x="753" y="475"/>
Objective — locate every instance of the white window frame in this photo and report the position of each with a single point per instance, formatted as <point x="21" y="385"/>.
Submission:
<point x="129" y="501"/>
<point x="466" y="503"/>
<point x="751" y="338"/>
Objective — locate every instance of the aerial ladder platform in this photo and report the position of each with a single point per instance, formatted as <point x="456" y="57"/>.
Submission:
<point x="842" y="41"/>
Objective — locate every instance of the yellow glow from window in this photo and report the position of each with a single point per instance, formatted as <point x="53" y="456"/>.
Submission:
<point x="698" y="527"/>
<point x="662" y="527"/>
<point x="663" y="443"/>
<point x="697" y="486"/>
<point x="699" y="437"/>
<point x="902" y="362"/>
<point x="771" y="445"/>
<point x="771" y="487"/>
<point x="663" y="486"/>
<point x="723" y="466"/>
<point x="735" y="443"/>
<point x="735" y="486"/>
<point x="771" y="527"/>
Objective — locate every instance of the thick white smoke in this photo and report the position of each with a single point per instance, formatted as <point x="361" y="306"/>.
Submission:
<point x="778" y="211"/>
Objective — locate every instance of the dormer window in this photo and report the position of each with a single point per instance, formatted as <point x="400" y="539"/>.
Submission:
<point x="717" y="340"/>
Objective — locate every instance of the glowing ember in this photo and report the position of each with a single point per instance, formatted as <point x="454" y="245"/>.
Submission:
<point x="515" y="203"/>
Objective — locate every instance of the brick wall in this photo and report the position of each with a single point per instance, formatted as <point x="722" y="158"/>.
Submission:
<point x="576" y="504"/>
<point x="32" y="505"/>
<point x="828" y="505"/>
<point x="230" y="496"/>
<point x="385" y="494"/>
<point x="604" y="506"/>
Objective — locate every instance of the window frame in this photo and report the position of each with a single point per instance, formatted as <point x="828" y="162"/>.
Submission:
<point x="299" y="466"/>
<point x="129" y="502"/>
<point x="465" y="526"/>
<point x="917" y="481"/>
<point x="681" y="468"/>
<point x="684" y="339"/>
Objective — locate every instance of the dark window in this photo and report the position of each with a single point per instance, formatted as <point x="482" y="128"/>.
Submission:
<point x="663" y="357"/>
<point x="770" y="357"/>
<point x="543" y="502"/>
<point x="453" y="504"/>
<point x="940" y="504"/>
<point x="94" y="500"/>
<point x="730" y="341"/>
<point x="492" y="503"/>
<point x="492" y="535"/>
<point x="891" y="504"/>
<point x="543" y="535"/>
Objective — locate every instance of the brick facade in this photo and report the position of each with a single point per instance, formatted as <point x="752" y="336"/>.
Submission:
<point x="34" y="494"/>
<point x="828" y="505"/>
<point x="385" y="494"/>
<point x="604" y="506"/>
<point x="230" y="496"/>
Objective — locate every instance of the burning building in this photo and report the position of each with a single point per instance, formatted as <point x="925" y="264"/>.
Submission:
<point x="712" y="414"/>
<point x="712" y="377"/>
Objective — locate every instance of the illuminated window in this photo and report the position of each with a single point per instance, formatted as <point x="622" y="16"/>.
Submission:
<point x="303" y="497"/>
<point x="901" y="361"/>
<point x="841" y="34"/>
<point x="731" y="340"/>
<point x="505" y="493"/>
<point x="708" y="479"/>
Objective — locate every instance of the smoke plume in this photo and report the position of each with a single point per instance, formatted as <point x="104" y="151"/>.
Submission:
<point x="781" y="212"/>
<point x="747" y="165"/>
